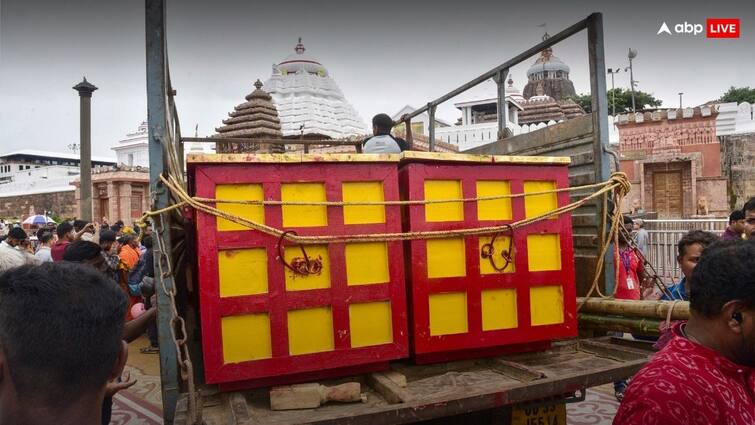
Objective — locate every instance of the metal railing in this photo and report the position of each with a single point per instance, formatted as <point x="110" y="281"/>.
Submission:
<point x="664" y="235"/>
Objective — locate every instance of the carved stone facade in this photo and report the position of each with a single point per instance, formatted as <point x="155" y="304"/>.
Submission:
<point x="118" y="194"/>
<point x="738" y="152"/>
<point x="673" y="159"/>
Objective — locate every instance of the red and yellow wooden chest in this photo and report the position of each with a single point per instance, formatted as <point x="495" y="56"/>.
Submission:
<point x="262" y="323"/>
<point x="461" y="304"/>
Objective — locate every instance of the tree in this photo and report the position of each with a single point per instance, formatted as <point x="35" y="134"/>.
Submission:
<point x="642" y="100"/>
<point x="739" y="95"/>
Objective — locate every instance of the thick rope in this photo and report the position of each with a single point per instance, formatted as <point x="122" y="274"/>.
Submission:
<point x="409" y="202"/>
<point x="617" y="183"/>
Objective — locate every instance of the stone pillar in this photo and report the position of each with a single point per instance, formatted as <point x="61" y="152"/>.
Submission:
<point x="124" y="202"/>
<point x="85" y="90"/>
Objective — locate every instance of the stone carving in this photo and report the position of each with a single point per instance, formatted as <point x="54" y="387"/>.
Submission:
<point x="702" y="205"/>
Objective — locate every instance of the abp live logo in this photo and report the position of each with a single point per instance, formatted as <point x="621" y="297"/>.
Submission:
<point x="714" y="28"/>
<point x="722" y="27"/>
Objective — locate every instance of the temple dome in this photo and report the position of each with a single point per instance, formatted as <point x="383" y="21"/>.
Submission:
<point x="300" y="61"/>
<point x="309" y="102"/>
<point x="547" y="62"/>
<point x="257" y="118"/>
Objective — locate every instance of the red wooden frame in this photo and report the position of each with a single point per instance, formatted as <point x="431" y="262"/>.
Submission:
<point x="411" y="178"/>
<point x="277" y="302"/>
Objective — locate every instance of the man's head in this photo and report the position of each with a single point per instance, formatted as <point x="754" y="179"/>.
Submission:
<point x="623" y="235"/>
<point x="61" y="329"/>
<point x="381" y="124"/>
<point x="147" y="241"/>
<point x="65" y="231"/>
<point x="16" y="236"/>
<point x="737" y="222"/>
<point x="690" y="248"/>
<point x="107" y="239"/>
<point x="45" y="238"/>
<point x="85" y="252"/>
<point x="722" y="293"/>
<point x="749" y="217"/>
<point x="639" y="224"/>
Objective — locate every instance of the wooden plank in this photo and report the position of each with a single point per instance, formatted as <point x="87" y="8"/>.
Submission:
<point x="391" y="392"/>
<point x="516" y="370"/>
<point x="398" y="378"/>
<point x="238" y="408"/>
<point x="288" y="158"/>
<point x="611" y="351"/>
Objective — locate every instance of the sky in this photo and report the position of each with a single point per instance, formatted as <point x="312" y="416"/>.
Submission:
<point x="383" y="55"/>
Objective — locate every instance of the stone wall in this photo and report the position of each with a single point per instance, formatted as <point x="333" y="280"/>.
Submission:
<point x="62" y="204"/>
<point x="738" y="164"/>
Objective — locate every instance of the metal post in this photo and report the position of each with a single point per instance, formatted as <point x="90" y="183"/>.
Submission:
<point x="157" y="118"/>
<point x="85" y="89"/>
<point x="596" y="54"/>
<point x="501" y="106"/>
<point x="680" y="99"/>
<point x="631" y="55"/>
<point x="431" y="127"/>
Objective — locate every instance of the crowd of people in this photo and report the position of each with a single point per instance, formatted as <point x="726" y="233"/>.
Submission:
<point x="704" y="372"/>
<point x="70" y="302"/>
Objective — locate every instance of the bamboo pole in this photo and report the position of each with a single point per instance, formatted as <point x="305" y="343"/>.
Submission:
<point x="641" y="326"/>
<point x="635" y="308"/>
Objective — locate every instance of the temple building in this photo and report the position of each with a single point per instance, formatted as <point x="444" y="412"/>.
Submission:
<point x="551" y="74"/>
<point x="309" y="102"/>
<point x="257" y="118"/>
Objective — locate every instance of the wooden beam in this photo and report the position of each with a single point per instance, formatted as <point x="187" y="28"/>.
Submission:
<point x="635" y="308"/>
<point x="391" y="392"/>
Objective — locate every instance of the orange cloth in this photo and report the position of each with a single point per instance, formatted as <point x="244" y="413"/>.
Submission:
<point x="129" y="255"/>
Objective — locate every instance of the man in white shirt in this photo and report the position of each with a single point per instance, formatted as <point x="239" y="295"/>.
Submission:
<point x="45" y="243"/>
<point x="10" y="253"/>
<point x="382" y="141"/>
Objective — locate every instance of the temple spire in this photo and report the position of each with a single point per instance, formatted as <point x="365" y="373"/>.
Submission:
<point x="299" y="47"/>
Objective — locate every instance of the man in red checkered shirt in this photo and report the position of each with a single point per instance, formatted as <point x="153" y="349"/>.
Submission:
<point x="705" y="374"/>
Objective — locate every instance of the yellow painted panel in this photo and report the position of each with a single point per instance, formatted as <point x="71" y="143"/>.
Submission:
<point x="446" y="258"/>
<point x="546" y="305"/>
<point x="538" y="204"/>
<point x="443" y="189"/>
<point x="310" y="330"/>
<point x="246" y="337"/>
<point x="498" y="309"/>
<point x="544" y="252"/>
<point x="494" y="209"/>
<point x="304" y="215"/>
<point x="297" y="282"/>
<point x="366" y="263"/>
<point x="242" y="271"/>
<point x="370" y="324"/>
<point x="501" y="244"/>
<point x="363" y="191"/>
<point x="240" y="192"/>
<point x="448" y="313"/>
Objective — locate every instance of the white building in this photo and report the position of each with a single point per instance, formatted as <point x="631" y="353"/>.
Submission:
<point x="309" y="101"/>
<point x="134" y="149"/>
<point x="30" y="171"/>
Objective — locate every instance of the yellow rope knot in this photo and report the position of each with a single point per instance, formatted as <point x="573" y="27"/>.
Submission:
<point x="621" y="182"/>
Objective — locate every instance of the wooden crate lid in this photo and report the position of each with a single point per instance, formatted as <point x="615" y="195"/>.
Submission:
<point x="416" y="156"/>
<point x="288" y="158"/>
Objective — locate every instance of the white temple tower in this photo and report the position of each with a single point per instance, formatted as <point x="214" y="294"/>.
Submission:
<point x="309" y="101"/>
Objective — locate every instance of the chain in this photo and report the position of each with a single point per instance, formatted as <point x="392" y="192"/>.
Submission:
<point x="176" y="322"/>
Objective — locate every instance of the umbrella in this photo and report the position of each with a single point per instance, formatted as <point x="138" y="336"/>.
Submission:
<point x="38" y="220"/>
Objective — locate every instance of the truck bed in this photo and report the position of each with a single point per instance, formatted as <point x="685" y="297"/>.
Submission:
<point x="446" y="389"/>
